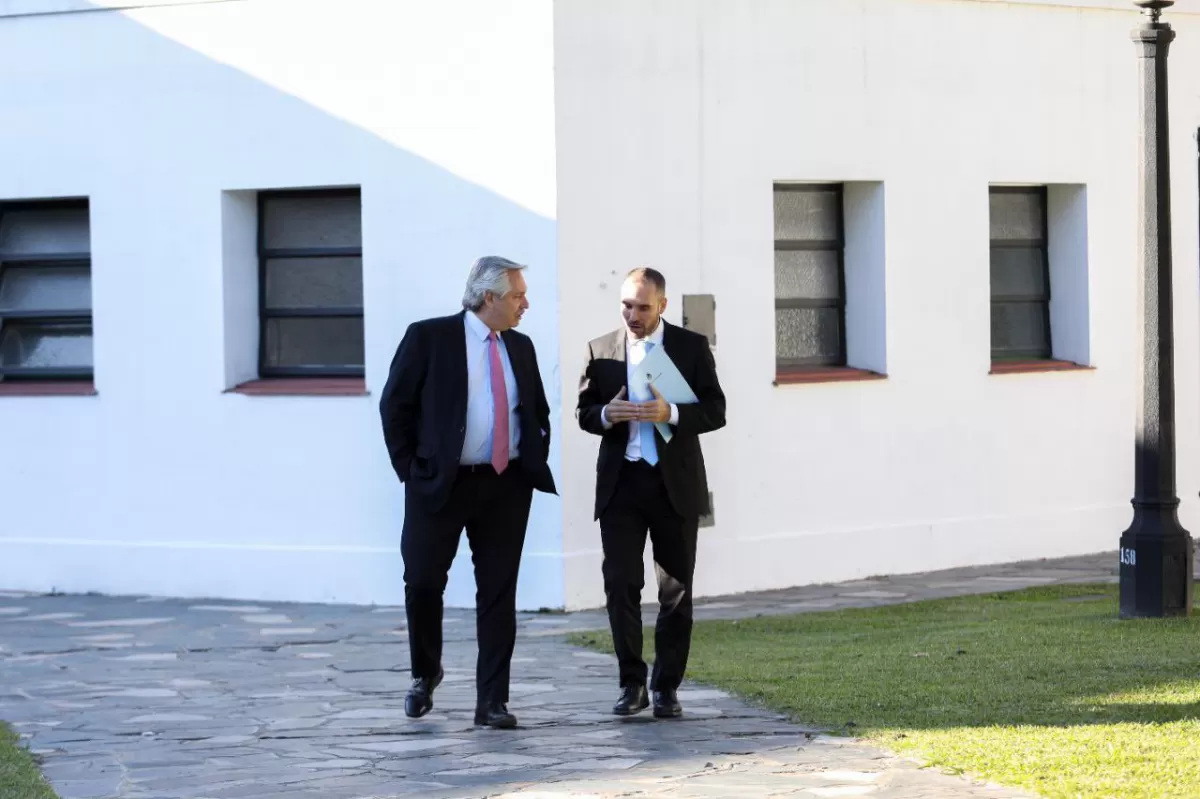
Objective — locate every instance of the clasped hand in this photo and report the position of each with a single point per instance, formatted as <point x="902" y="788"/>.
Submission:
<point x="620" y="410"/>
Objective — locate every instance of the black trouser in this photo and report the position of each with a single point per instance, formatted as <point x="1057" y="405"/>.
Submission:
<point x="494" y="509"/>
<point x="640" y="504"/>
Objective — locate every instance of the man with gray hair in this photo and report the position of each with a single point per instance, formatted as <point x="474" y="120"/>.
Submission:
<point x="467" y="428"/>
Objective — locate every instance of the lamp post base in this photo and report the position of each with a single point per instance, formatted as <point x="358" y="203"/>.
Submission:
<point x="1156" y="565"/>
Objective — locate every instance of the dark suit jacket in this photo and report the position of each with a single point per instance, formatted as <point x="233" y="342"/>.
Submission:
<point x="681" y="460"/>
<point x="424" y="408"/>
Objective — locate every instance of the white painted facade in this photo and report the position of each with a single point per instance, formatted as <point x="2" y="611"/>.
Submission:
<point x="585" y="137"/>
<point x="165" y="118"/>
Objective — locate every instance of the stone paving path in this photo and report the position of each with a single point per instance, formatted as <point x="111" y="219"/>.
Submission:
<point x="174" y="699"/>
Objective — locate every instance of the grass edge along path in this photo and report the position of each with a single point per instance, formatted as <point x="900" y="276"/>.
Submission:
<point x="19" y="774"/>
<point x="1043" y="689"/>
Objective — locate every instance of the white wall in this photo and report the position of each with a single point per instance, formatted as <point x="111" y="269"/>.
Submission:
<point x="674" y="119"/>
<point x="169" y="119"/>
<point x="595" y="134"/>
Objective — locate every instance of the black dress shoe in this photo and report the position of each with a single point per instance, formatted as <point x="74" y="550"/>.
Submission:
<point x="633" y="700"/>
<point x="420" y="697"/>
<point x="496" y="716"/>
<point x="666" y="705"/>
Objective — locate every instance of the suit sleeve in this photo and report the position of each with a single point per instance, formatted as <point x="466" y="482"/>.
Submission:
<point x="709" y="413"/>
<point x="591" y="404"/>
<point x="399" y="405"/>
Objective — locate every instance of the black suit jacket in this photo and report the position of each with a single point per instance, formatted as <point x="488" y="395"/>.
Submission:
<point x="681" y="460"/>
<point x="424" y="408"/>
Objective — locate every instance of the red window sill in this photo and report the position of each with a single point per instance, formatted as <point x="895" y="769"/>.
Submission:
<point x="47" y="388"/>
<point x="824" y="374"/>
<point x="1027" y="367"/>
<point x="303" y="387"/>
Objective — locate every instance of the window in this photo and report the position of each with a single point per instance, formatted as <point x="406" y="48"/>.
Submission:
<point x="310" y="283"/>
<point x="1020" y="274"/>
<point x="45" y="291"/>
<point x="810" y="281"/>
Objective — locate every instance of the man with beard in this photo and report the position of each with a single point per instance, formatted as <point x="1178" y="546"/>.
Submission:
<point x="645" y="483"/>
<point x="467" y="428"/>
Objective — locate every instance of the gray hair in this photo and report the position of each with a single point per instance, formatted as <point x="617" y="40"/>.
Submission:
<point x="489" y="273"/>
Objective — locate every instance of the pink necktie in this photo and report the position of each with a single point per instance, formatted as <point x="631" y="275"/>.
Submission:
<point x="500" y="407"/>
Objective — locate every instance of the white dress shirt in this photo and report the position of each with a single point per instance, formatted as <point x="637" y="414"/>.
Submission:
<point x="639" y="389"/>
<point x="477" y="444"/>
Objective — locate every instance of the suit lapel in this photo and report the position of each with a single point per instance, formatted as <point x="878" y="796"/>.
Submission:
<point x="616" y="351"/>
<point x="516" y="356"/>
<point x="669" y="342"/>
<point x="616" y="346"/>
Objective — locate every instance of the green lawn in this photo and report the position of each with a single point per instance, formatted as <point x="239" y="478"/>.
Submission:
<point x="1044" y="689"/>
<point x="19" y="776"/>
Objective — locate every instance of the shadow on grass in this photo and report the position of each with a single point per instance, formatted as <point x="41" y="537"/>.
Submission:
<point x="1044" y="688"/>
<point x="1056" y="655"/>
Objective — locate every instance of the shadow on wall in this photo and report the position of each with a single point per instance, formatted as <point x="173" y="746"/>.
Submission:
<point x="155" y="130"/>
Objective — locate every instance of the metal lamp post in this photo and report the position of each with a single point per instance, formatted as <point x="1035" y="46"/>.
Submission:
<point x="1156" y="552"/>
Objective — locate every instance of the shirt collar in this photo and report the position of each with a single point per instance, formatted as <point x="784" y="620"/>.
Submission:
<point x="477" y="326"/>
<point x="655" y="338"/>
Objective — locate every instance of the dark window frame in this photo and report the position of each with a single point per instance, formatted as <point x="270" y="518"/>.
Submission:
<point x="47" y="317"/>
<point x="818" y="245"/>
<point x="267" y="313"/>
<point x="1043" y="353"/>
